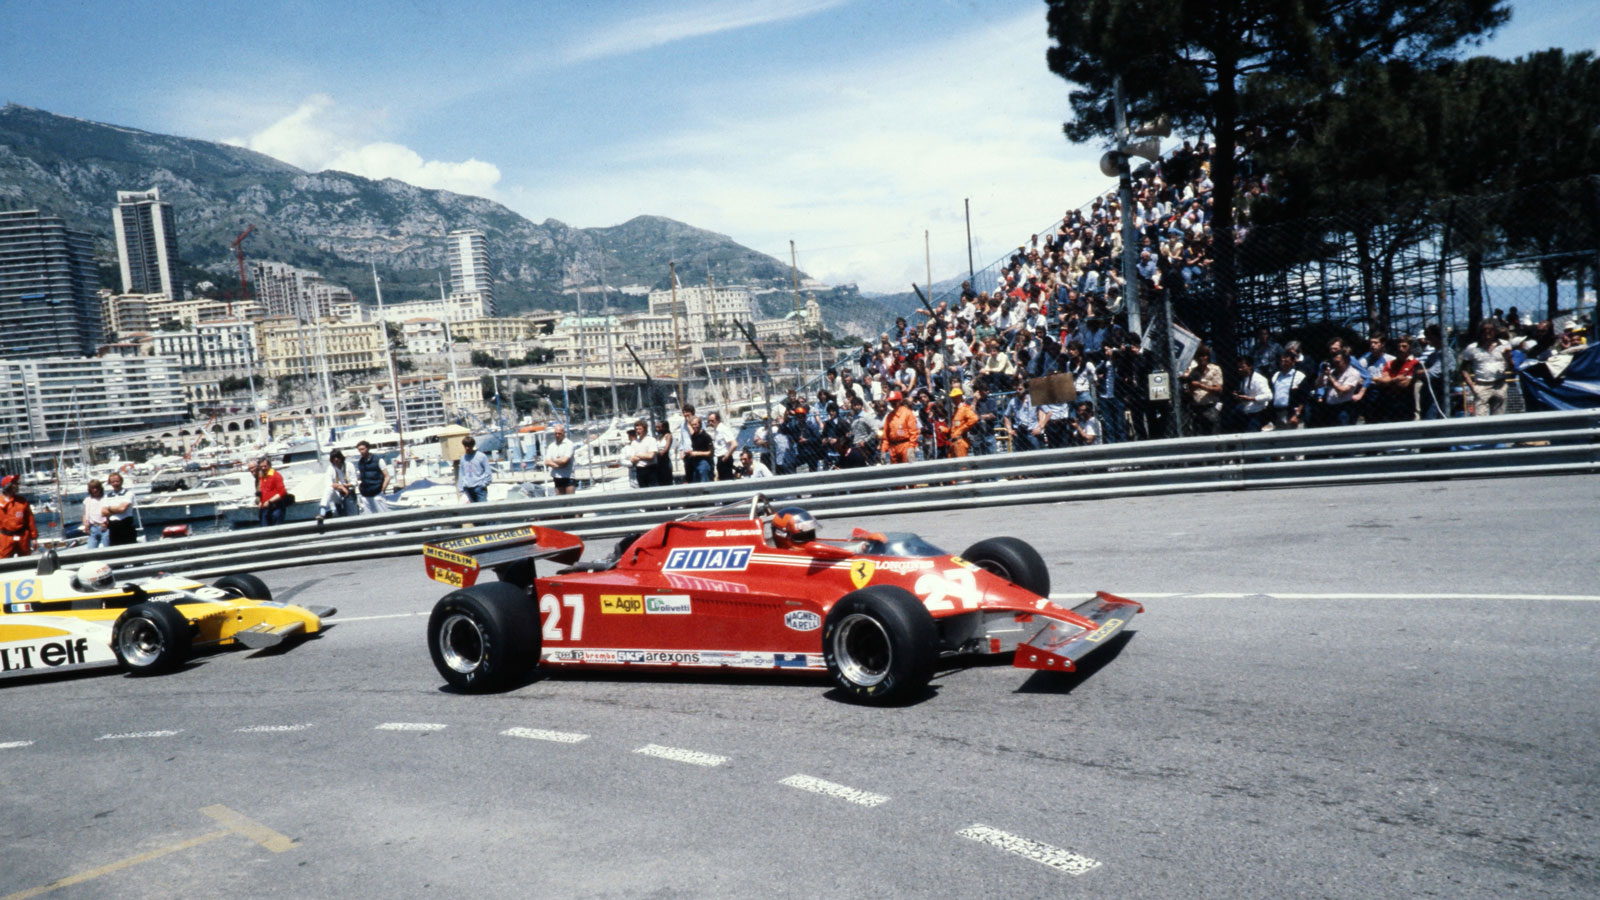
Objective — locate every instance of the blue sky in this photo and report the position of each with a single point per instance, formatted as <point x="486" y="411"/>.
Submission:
<point x="848" y="127"/>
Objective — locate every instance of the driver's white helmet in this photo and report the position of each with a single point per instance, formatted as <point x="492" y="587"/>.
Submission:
<point x="95" y="576"/>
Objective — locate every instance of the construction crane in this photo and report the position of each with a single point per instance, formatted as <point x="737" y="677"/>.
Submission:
<point x="238" y="251"/>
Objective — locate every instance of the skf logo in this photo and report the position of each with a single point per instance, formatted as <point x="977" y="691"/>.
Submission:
<point x="632" y="604"/>
<point x="708" y="559"/>
<point x="861" y="572"/>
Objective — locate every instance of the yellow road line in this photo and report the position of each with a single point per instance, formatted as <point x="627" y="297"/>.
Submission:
<point x="233" y="823"/>
<point x="119" y="865"/>
<point x="244" y="826"/>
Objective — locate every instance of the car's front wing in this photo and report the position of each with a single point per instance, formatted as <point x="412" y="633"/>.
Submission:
<point x="1059" y="645"/>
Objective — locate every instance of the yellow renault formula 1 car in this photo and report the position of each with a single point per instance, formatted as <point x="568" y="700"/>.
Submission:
<point x="57" y="619"/>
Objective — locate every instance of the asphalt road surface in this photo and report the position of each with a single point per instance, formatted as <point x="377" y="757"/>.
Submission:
<point x="1368" y="692"/>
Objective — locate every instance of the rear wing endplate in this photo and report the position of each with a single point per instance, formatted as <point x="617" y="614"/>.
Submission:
<point x="457" y="562"/>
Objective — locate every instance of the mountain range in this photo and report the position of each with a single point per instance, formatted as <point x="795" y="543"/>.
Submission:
<point x="337" y="224"/>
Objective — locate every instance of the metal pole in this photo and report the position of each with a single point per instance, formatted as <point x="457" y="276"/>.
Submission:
<point x="794" y="273"/>
<point x="394" y="377"/>
<point x="583" y="364"/>
<point x="611" y="344"/>
<point x="672" y="272"/>
<point x="972" y="274"/>
<point x="1130" y="261"/>
<point x="1171" y="353"/>
<point x="450" y="348"/>
<point x="309" y="375"/>
<point x="766" y="395"/>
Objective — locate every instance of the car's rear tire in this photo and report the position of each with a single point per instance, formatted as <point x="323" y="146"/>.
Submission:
<point x="485" y="637"/>
<point x="1014" y="560"/>
<point x="880" y="645"/>
<point x="245" y="585"/>
<point x="151" y="638"/>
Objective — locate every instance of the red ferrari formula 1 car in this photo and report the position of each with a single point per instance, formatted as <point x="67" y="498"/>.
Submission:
<point x="875" y="611"/>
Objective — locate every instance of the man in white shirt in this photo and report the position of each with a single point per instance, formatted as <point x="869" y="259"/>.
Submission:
<point x="1288" y="393"/>
<point x="1486" y="364"/>
<point x="641" y="456"/>
<point x="749" y="467"/>
<point x="723" y="437"/>
<point x="1250" y="398"/>
<point x="558" y="453"/>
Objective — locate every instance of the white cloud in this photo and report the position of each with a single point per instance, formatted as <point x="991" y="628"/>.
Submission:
<point x="319" y="135"/>
<point x="855" y="164"/>
<point x="643" y="32"/>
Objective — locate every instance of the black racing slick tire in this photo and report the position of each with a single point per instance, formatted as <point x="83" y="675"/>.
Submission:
<point x="624" y="543"/>
<point x="245" y="585"/>
<point x="151" y="638"/>
<point x="485" y="637"/>
<point x="880" y="645"/>
<point x="1014" y="560"/>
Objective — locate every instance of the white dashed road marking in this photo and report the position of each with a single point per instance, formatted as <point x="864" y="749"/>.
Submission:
<point x="260" y="729"/>
<point x="1054" y="857"/>
<point x="342" y="619"/>
<point x="1275" y="595"/>
<point x="539" y="734"/>
<point x="692" y="757"/>
<point x="137" y="734"/>
<point x="409" y="726"/>
<point x="828" y="788"/>
<point x="12" y="745"/>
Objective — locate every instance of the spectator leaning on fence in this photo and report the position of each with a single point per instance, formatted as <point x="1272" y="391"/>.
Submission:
<point x="372" y="479"/>
<point x="1394" y="397"/>
<point x="641" y="456"/>
<point x="1289" y="386"/>
<point x="723" y="439"/>
<point x="558" y="455"/>
<point x="474" y="472"/>
<point x="1341" y="387"/>
<point x="1486" y="364"/>
<point x="1204" y="380"/>
<point x="1251" y="396"/>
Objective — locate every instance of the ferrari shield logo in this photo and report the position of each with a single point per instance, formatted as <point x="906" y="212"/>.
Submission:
<point x="861" y="572"/>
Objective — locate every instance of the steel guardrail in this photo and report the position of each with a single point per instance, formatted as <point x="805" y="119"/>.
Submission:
<point x="1524" y="444"/>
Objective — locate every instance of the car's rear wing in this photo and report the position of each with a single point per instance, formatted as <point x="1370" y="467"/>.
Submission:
<point x="1060" y="645"/>
<point x="457" y="562"/>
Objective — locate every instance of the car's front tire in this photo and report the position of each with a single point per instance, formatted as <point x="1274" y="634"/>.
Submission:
<point x="1014" y="560"/>
<point x="485" y="637"/>
<point x="880" y="645"/>
<point x="245" y="585"/>
<point x="151" y="638"/>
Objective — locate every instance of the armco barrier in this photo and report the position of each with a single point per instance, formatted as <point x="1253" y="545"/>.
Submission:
<point x="1529" y="444"/>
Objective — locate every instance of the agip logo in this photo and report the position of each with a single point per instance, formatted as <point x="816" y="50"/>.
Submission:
<point x="611" y="604"/>
<point x="708" y="559"/>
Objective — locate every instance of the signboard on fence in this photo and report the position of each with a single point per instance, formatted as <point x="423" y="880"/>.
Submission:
<point x="1057" y="388"/>
<point x="1184" y="343"/>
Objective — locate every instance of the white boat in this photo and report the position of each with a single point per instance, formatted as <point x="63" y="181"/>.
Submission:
<point x="203" y="502"/>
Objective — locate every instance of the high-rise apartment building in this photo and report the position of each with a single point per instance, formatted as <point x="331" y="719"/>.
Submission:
<point x="147" y="244"/>
<point x="469" y="265"/>
<point x="283" y="290"/>
<point x="49" y="298"/>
